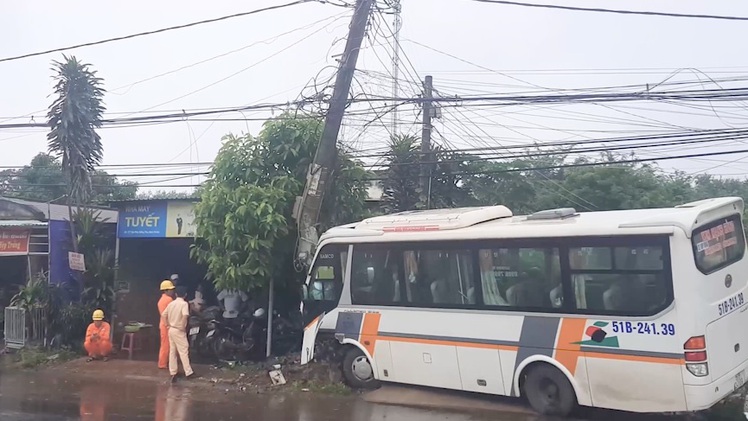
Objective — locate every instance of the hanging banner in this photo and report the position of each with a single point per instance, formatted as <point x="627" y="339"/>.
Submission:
<point x="14" y="242"/>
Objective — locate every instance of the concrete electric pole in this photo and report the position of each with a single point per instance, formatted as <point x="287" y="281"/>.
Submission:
<point x="308" y="206"/>
<point x="397" y="25"/>
<point x="427" y="158"/>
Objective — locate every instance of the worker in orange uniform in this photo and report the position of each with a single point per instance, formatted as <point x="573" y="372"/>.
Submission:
<point x="167" y="296"/>
<point x="98" y="343"/>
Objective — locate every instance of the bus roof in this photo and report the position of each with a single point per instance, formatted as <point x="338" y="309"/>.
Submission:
<point x="499" y="222"/>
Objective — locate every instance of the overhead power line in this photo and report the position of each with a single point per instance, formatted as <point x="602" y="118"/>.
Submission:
<point x="731" y="94"/>
<point x="155" y="31"/>
<point x="617" y="11"/>
<point x="674" y="138"/>
<point x="598" y="164"/>
<point x="481" y="172"/>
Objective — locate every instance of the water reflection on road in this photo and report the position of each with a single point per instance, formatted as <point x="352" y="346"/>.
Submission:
<point x="29" y="396"/>
<point x="25" y="396"/>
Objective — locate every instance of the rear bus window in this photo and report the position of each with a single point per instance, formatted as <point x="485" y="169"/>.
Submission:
<point x="626" y="280"/>
<point x="718" y="244"/>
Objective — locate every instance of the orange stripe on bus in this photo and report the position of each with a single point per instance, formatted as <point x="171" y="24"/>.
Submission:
<point x="636" y="358"/>
<point x="369" y="331"/>
<point x="568" y="353"/>
<point x="449" y="343"/>
<point x="562" y="355"/>
<point x="312" y="323"/>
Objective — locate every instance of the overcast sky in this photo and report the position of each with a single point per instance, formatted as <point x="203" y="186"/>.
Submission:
<point x="271" y="56"/>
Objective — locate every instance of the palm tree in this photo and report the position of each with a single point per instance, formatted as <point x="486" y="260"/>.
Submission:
<point x="74" y="117"/>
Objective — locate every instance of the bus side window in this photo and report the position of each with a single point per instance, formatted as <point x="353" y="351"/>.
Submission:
<point x="420" y="277"/>
<point x="443" y="278"/>
<point x="627" y="280"/>
<point x="375" y="276"/>
<point x="521" y="277"/>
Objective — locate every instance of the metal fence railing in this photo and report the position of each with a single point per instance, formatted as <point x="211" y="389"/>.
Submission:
<point x="15" y="327"/>
<point x="38" y="326"/>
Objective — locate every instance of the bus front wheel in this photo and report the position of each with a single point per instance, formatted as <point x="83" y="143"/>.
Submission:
<point x="357" y="370"/>
<point x="549" y="392"/>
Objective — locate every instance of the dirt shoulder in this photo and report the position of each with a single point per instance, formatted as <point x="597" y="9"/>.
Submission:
<point x="249" y="378"/>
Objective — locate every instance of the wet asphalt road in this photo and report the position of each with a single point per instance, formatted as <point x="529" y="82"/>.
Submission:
<point x="33" y="396"/>
<point x="45" y="397"/>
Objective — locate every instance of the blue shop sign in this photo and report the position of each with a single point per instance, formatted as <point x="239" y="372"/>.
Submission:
<point x="142" y="220"/>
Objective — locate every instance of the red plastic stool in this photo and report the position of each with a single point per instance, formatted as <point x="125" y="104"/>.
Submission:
<point x="131" y="342"/>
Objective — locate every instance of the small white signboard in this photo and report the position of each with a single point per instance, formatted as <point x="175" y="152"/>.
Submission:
<point x="76" y="261"/>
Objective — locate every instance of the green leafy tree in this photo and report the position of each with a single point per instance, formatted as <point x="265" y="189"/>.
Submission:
<point x="94" y="241"/>
<point x="244" y="219"/>
<point x="73" y="117"/>
<point x="616" y="183"/>
<point x="617" y="186"/>
<point x="401" y="178"/>
<point x="448" y="187"/>
<point x="351" y="188"/>
<point x="40" y="181"/>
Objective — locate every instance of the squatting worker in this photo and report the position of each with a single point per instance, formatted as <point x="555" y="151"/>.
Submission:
<point x="175" y="317"/>
<point x="167" y="296"/>
<point x="98" y="344"/>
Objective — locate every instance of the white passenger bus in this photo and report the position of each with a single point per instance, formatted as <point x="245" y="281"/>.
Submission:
<point x="635" y="310"/>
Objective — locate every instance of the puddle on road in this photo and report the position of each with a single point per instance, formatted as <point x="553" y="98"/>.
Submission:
<point x="35" y="396"/>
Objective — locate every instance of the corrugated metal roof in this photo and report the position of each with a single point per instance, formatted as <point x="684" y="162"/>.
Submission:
<point x="165" y="198"/>
<point x="55" y="212"/>
<point x="22" y="224"/>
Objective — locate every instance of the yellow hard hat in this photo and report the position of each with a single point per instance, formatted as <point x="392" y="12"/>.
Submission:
<point x="167" y="285"/>
<point x="98" y="315"/>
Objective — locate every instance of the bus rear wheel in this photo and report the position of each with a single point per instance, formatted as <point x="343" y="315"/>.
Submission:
<point x="549" y="392"/>
<point x="357" y="370"/>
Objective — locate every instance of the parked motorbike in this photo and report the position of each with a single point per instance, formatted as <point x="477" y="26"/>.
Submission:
<point x="241" y="338"/>
<point x="286" y="335"/>
<point x="236" y="339"/>
<point x="202" y="330"/>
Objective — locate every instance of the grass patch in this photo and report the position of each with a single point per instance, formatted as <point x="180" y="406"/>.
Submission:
<point x="32" y="358"/>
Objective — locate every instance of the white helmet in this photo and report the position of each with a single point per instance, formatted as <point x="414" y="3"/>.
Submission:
<point x="259" y="313"/>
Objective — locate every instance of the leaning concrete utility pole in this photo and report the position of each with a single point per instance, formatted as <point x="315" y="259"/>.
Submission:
<point x="308" y="206"/>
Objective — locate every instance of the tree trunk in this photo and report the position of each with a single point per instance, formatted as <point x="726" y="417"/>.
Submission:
<point x="73" y="231"/>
